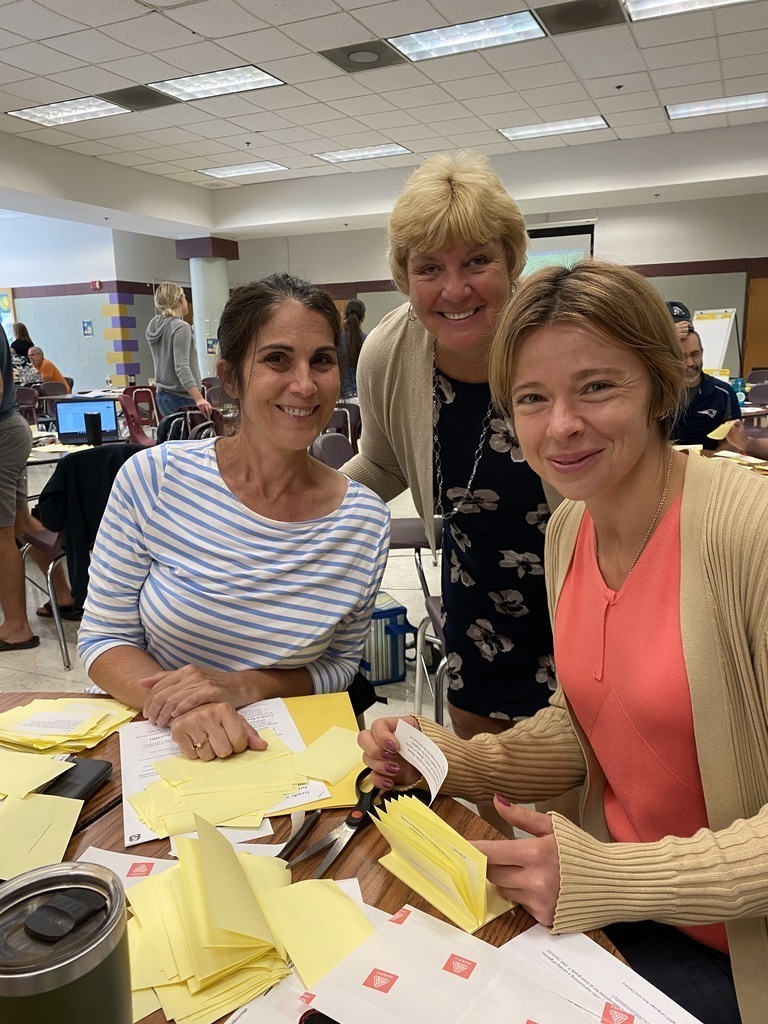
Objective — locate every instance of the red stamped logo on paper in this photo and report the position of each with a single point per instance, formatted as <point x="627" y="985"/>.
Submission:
<point x="615" y="1015"/>
<point x="306" y="997"/>
<point x="381" y="981"/>
<point x="401" y="916"/>
<point x="140" y="869"/>
<point x="459" y="965"/>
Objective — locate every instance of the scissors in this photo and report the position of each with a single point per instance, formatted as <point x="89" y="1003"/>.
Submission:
<point x="355" y="822"/>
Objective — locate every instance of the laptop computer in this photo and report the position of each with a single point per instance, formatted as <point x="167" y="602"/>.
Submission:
<point x="70" y="419"/>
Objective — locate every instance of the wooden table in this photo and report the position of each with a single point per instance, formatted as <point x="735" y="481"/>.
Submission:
<point x="359" y="860"/>
<point x="111" y="793"/>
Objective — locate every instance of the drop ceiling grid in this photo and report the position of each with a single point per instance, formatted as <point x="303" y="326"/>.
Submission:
<point x="61" y="49"/>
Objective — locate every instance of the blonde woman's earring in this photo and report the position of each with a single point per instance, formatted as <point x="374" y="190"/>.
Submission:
<point x="411" y="317"/>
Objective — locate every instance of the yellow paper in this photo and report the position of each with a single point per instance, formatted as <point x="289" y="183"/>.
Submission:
<point x="22" y="773"/>
<point x="145" y="967"/>
<point x="721" y="432"/>
<point x="438" y="863"/>
<point x="144" y="1001"/>
<point x="153" y="903"/>
<point x="35" y="831"/>
<point x="331" y="757"/>
<point x="315" y="715"/>
<point x="318" y="923"/>
<point x="62" y="725"/>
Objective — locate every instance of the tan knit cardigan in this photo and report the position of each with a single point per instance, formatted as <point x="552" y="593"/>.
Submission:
<point x="394" y="386"/>
<point x="720" y="873"/>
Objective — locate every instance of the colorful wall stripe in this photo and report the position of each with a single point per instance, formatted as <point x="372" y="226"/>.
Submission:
<point x="122" y="360"/>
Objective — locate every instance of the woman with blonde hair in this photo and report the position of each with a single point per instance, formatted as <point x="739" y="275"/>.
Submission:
<point x="177" y="371"/>
<point x="457" y="245"/>
<point x="656" y="569"/>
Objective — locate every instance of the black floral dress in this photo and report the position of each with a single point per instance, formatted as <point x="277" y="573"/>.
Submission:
<point x="496" y="621"/>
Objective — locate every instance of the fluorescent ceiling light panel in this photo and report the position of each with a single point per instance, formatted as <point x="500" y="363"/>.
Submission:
<point x="216" y="83"/>
<point x="237" y="170"/>
<point x="639" y="10"/>
<point x="366" y="153"/>
<point x="69" y="111"/>
<point x="724" y="106"/>
<point x="474" y="35"/>
<point x="537" y="131"/>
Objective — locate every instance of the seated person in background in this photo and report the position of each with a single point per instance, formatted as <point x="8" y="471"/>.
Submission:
<point x="656" y="569"/>
<point x="233" y="569"/>
<point x="24" y="373"/>
<point x="46" y="369"/>
<point x="709" y="401"/>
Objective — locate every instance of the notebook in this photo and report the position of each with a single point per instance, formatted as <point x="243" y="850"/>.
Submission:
<point x="70" y="419"/>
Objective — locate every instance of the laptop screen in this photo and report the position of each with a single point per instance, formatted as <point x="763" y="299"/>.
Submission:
<point x="70" y="419"/>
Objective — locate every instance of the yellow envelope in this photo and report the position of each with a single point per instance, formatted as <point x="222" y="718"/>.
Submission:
<point x="318" y="923"/>
<point x="35" y="831"/>
<point x="22" y="773"/>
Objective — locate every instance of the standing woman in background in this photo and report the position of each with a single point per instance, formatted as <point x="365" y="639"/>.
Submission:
<point x="457" y="245"/>
<point x="352" y="338"/>
<point x="22" y="342"/>
<point x="177" y="371"/>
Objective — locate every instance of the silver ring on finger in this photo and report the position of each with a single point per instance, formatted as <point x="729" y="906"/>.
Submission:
<point x="196" y="746"/>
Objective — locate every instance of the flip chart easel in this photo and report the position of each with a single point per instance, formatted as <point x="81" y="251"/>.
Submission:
<point x="715" y="327"/>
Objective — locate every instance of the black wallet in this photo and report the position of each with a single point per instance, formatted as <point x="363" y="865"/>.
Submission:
<point x="81" y="781"/>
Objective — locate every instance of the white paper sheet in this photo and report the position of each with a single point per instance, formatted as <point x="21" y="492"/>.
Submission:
<point x="424" y="754"/>
<point x="238" y="837"/>
<point x="129" y="869"/>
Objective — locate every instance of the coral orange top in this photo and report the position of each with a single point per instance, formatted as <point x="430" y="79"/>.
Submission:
<point x="619" y="657"/>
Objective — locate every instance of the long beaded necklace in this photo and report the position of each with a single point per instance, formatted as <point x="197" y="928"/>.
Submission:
<point x="439" y="510"/>
<point x="653" y="521"/>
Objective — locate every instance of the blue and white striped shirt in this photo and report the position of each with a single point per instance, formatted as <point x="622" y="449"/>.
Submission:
<point x="185" y="571"/>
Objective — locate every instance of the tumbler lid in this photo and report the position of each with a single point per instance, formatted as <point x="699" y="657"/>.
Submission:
<point x="56" y="924"/>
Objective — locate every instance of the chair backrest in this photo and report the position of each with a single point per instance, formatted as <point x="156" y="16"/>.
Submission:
<point x="135" y="429"/>
<point x="339" y="423"/>
<point x="332" y="449"/>
<point x="216" y="395"/>
<point x="757" y="376"/>
<point x="53" y="387"/>
<point x="178" y="426"/>
<point x="352" y="409"/>
<point x="211" y="382"/>
<point x="145" y="400"/>
<point x="71" y="382"/>
<point x="205" y="429"/>
<point x="758" y="394"/>
<point x="26" y="399"/>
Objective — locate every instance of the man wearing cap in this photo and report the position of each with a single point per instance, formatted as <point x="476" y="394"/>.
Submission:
<point x="710" y="401"/>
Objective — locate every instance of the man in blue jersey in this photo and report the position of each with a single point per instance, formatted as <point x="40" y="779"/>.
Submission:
<point x="710" y="401"/>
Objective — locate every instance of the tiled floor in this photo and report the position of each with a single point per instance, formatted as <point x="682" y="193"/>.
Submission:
<point x="41" y="668"/>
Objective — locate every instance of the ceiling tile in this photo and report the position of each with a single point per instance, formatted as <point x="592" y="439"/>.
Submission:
<point x="687" y="74"/>
<point x="639" y="131"/>
<point x="118" y="125"/>
<point x="311" y="113"/>
<point x="49" y="136"/>
<point x="484" y="105"/>
<point x="676" y="28"/>
<point x="283" y="12"/>
<point x="740" y="67"/>
<point x="325" y="144"/>
<point x="405" y="133"/>
<point x="551" y="94"/>
<point x="308" y="68"/>
<point x="653" y="115"/>
<point x="436" y="145"/>
<point x="12" y="125"/>
<point x="205" y="147"/>
<point x="346" y="124"/>
<point x="91" y="80"/>
<point x="33" y="21"/>
<point x="472" y="139"/>
<point x="95" y="14"/>
<point x="164" y="153"/>
<point x="737" y="86"/>
<point x="302" y="160"/>
<point x="400" y="17"/>
<point x="590" y="138"/>
<point x="470" y="88"/>
<point x="455" y="126"/>
<point x="363" y="105"/>
<point x="439" y="112"/>
<point x="9" y="39"/>
<point x="522" y="55"/>
<point x="502" y="147"/>
<point x="407" y="98"/>
<point x="546" y="142"/>
<point x="691" y="93"/>
<point x="389" y="119"/>
<point x="39" y="59"/>
<point x="265" y="121"/>
<point x="279" y="96"/>
<point x="603" y="51"/>
<point x="327" y="33"/>
<point x="168" y="136"/>
<point x="131" y="142"/>
<point x="268" y="44"/>
<point x="455" y="66"/>
<point x="10" y="74"/>
<point x="234" y="105"/>
<point x="185" y="113"/>
<point x="458" y="11"/>
<point x="334" y="89"/>
<point x="291" y="135"/>
<point x="639" y="82"/>
<point x="742" y="44"/>
<point x="126" y="159"/>
<point x="43" y="90"/>
<point x="199" y="58"/>
<point x="748" y="116"/>
<point x="216" y="18"/>
<point x="681" y="53"/>
<point x="626" y="101"/>
<point x="357" y="140"/>
<point x="143" y="69"/>
<point x="563" y="111"/>
<point x="536" y="78"/>
<point x="10" y="101"/>
<point x="218" y="129"/>
<point x="194" y="163"/>
<point x="697" y="124"/>
<point x="401" y="76"/>
<point x="92" y="46"/>
<point x="511" y="118"/>
<point x="154" y="28"/>
<point x="742" y="18"/>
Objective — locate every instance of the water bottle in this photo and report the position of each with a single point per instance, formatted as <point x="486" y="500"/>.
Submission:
<point x="108" y="382"/>
<point x="131" y="380"/>
<point x="740" y="389"/>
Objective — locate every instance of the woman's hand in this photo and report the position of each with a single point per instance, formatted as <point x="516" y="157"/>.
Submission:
<point x="174" y="693"/>
<point x="380" y="753"/>
<point x="204" y="406"/>
<point x="215" y="730"/>
<point x="526" y="871"/>
<point x="737" y="436"/>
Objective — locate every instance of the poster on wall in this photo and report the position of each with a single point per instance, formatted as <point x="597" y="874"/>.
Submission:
<point x="7" y="312"/>
<point x="88" y="328"/>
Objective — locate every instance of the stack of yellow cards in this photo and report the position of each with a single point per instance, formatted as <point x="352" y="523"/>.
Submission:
<point x="62" y="726"/>
<point x="439" y="864"/>
<point x="239" y="790"/>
